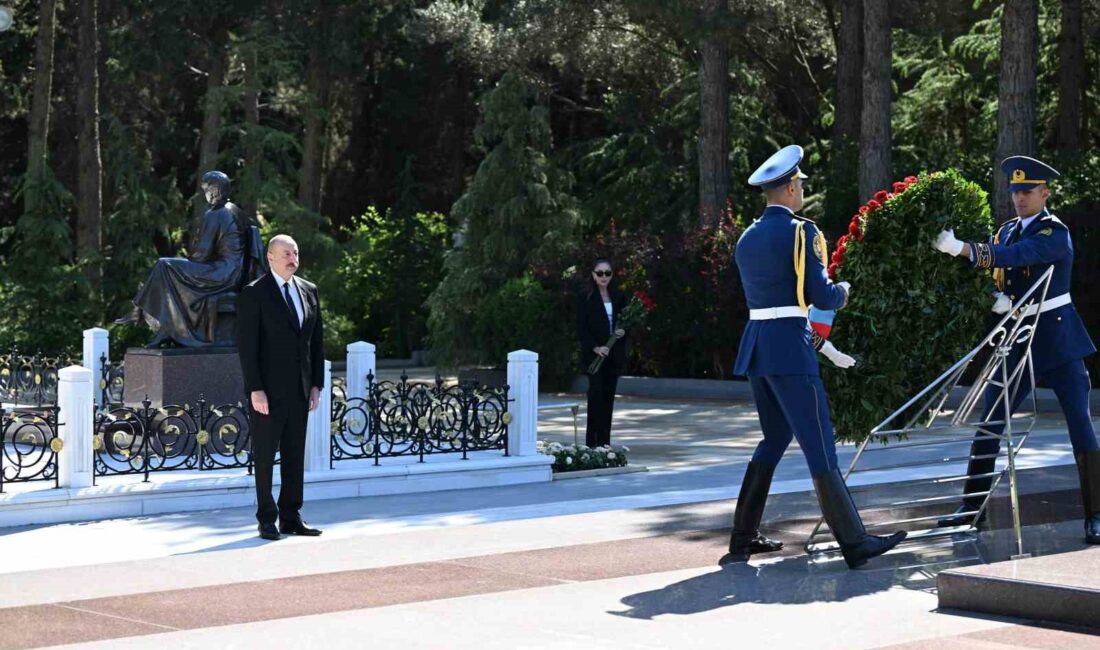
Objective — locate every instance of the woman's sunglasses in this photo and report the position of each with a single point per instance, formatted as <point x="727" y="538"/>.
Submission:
<point x="602" y="274"/>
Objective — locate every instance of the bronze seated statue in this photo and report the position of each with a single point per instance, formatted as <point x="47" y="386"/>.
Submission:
<point x="192" y="301"/>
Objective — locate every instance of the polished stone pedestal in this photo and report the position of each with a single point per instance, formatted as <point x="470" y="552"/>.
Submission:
<point x="1061" y="588"/>
<point x="181" y="375"/>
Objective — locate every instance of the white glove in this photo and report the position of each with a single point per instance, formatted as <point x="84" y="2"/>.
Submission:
<point x="839" y="359"/>
<point x="1002" y="304"/>
<point x="847" y="292"/>
<point x="946" y="243"/>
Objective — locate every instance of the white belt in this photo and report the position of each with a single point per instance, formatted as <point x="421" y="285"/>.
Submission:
<point x="771" y="313"/>
<point x="1048" y="304"/>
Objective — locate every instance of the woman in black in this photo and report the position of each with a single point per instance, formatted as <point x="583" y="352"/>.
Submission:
<point x="598" y="308"/>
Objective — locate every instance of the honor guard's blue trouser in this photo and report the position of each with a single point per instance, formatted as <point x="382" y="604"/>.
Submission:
<point x="1071" y="385"/>
<point x="794" y="406"/>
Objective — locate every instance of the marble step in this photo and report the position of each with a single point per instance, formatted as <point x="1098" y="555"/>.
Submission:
<point x="1062" y="588"/>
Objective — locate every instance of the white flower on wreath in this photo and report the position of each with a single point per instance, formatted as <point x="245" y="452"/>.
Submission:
<point x="625" y="448"/>
<point x="568" y="460"/>
<point x="611" y="455"/>
<point x="584" y="457"/>
<point x="555" y="446"/>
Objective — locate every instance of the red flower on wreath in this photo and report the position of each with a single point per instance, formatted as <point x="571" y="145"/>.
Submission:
<point x="864" y="209"/>
<point x="911" y="179"/>
<point x="900" y="187"/>
<point x="873" y="205"/>
<point x="647" y="303"/>
<point x="880" y="196"/>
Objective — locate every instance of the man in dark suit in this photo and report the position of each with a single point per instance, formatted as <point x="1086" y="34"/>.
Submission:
<point x="280" y="340"/>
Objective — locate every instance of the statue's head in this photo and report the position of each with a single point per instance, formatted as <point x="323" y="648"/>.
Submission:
<point x="215" y="185"/>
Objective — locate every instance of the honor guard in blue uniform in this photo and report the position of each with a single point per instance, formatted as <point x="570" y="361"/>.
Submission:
<point x="781" y="258"/>
<point x="1019" y="253"/>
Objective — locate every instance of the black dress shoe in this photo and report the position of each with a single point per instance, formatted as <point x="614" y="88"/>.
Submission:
<point x="959" y="519"/>
<point x="1092" y="529"/>
<point x="299" y="528"/>
<point x="269" y="531"/>
<point x="741" y="549"/>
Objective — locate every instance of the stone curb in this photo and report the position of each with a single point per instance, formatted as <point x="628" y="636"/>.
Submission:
<point x="601" y="471"/>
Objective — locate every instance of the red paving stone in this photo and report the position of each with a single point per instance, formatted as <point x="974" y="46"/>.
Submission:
<point x="201" y="607"/>
<point x="219" y="605"/>
<point x="1011" y="637"/>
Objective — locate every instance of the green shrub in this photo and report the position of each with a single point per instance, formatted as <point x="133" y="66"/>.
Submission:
<point x="522" y="314"/>
<point x="913" y="311"/>
<point x="390" y="264"/>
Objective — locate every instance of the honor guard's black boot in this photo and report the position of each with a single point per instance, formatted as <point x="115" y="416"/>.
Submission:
<point x="1088" y="467"/>
<point x="746" y="540"/>
<point x="976" y="467"/>
<point x="843" y="519"/>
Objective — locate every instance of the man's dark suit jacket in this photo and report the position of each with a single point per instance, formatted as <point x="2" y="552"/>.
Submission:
<point x="592" y="326"/>
<point x="276" y="356"/>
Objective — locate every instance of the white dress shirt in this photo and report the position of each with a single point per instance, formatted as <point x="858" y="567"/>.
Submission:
<point x="295" y="297"/>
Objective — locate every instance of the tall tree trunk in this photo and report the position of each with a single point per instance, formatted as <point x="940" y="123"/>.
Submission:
<point x="253" y="149"/>
<point x="843" y="188"/>
<point x="874" y="136"/>
<point x="90" y="174"/>
<point x="1017" y="97"/>
<point x="1071" y="78"/>
<point x="714" y="91"/>
<point x="212" y="118"/>
<point x="318" y="84"/>
<point x="39" y="125"/>
<point x="849" y="73"/>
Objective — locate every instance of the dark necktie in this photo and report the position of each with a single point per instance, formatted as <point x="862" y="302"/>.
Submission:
<point x="290" y="303"/>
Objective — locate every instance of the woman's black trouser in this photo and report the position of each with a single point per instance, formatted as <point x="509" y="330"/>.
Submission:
<point x="601" y="402"/>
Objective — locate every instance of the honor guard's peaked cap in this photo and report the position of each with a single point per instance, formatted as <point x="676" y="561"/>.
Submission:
<point x="1026" y="173"/>
<point x="778" y="170"/>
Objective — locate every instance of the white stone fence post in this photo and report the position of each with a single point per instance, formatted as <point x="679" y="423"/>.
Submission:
<point x="75" y="401"/>
<point x="319" y="429"/>
<point x="97" y="346"/>
<point x="523" y="388"/>
<point x="361" y="360"/>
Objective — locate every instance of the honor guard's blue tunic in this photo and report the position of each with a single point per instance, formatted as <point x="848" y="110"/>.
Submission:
<point x="1019" y="256"/>
<point x="781" y="259"/>
<point x="1018" y="259"/>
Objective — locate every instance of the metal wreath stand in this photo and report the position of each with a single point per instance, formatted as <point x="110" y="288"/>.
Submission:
<point x="932" y="425"/>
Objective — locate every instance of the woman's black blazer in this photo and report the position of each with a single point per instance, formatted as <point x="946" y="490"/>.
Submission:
<point x="592" y="327"/>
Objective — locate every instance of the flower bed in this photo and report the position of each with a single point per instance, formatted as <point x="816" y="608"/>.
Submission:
<point x="571" y="458"/>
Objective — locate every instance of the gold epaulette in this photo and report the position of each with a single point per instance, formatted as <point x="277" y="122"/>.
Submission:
<point x="820" y="250"/>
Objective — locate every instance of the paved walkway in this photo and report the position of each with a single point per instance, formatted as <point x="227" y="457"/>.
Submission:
<point x="615" y="561"/>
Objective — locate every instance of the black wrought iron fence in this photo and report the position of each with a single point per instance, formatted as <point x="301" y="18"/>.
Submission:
<point x="405" y="418"/>
<point x="339" y="398"/>
<point x="112" y="380"/>
<point x="131" y="440"/>
<point x="30" y="380"/>
<point x="29" y="445"/>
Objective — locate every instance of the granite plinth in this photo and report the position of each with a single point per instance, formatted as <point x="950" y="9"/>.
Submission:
<point x="1061" y="588"/>
<point x="182" y="375"/>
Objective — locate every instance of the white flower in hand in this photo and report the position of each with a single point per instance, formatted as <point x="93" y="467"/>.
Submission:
<point x="1002" y="304"/>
